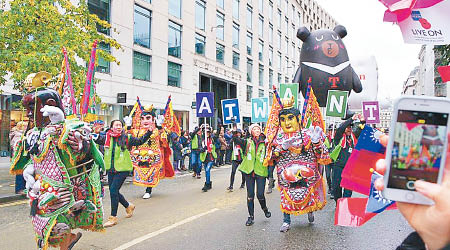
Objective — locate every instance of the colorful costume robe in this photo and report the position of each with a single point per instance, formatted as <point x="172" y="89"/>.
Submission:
<point x="66" y="194"/>
<point x="305" y="194"/>
<point x="151" y="160"/>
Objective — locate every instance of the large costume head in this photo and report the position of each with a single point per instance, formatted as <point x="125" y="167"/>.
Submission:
<point x="36" y="100"/>
<point x="290" y="117"/>
<point x="148" y="117"/>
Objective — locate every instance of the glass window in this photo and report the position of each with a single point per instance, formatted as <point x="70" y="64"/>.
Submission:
<point x="299" y="19"/>
<point x="249" y="43"/>
<point x="236" y="9"/>
<point x="279" y="61"/>
<point x="261" y="6"/>
<point x="220" y="53"/>
<point x="261" y="26"/>
<point x="260" y="93"/>
<point x="235" y="36"/>
<point x="175" y="8"/>
<point x="220" y="25"/>
<point x="173" y="74"/>
<point x="270" y="33"/>
<point x="220" y="3"/>
<point x="200" y="44"/>
<point x="249" y="17"/>
<point x="279" y="18"/>
<point x="270" y="56"/>
<point x="103" y="65"/>
<point x="287" y="65"/>
<point x="286" y="22"/>
<point x="293" y="13"/>
<point x="142" y="26"/>
<point x="261" y="75"/>
<point x="286" y="6"/>
<point x="260" y="50"/>
<point x="101" y="8"/>
<point x="235" y="60"/>
<point x="141" y="66"/>
<point x="249" y="70"/>
<point x="270" y="11"/>
<point x="270" y="97"/>
<point x="286" y="79"/>
<point x="279" y="79"/>
<point x="249" y="93"/>
<point x="287" y="46"/>
<point x="200" y="14"/>
<point x="294" y="52"/>
<point x="174" y="39"/>
<point x="294" y="33"/>
<point x="279" y="39"/>
<point x="270" y="80"/>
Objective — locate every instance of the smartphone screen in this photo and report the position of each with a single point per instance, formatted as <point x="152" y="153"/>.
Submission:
<point x="418" y="148"/>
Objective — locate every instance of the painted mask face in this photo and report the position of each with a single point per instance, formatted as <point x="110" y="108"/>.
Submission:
<point x="147" y="121"/>
<point x="289" y="123"/>
<point x="256" y="131"/>
<point x="31" y="103"/>
<point x="117" y="127"/>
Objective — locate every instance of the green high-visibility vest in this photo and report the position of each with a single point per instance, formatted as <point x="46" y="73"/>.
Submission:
<point x="253" y="161"/>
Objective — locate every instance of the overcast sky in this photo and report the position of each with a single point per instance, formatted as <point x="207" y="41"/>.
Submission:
<point x="369" y="35"/>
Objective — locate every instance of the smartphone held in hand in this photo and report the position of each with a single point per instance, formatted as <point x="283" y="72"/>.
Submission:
<point x="417" y="146"/>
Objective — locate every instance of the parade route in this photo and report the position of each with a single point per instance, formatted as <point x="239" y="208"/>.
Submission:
<point x="180" y="216"/>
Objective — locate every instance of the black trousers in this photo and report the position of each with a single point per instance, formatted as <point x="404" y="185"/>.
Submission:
<point x="271" y="169"/>
<point x="234" y="166"/>
<point x="115" y="181"/>
<point x="251" y="180"/>
<point x="328" y="173"/>
<point x="338" y="191"/>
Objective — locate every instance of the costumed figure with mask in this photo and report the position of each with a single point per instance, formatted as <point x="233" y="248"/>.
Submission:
<point x="151" y="161"/>
<point x="297" y="153"/>
<point x="60" y="164"/>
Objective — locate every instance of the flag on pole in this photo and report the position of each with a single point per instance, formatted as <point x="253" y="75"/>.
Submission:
<point x="376" y="202"/>
<point x="351" y="212"/>
<point x="170" y="120"/>
<point x="313" y="116"/>
<point x="136" y="114"/>
<point x="89" y="89"/>
<point x="273" y="122"/>
<point x="66" y="89"/>
<point x="356" y="175"/>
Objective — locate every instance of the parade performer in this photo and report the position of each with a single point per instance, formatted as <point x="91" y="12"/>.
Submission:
<point x="297" y="153"/>
<point x="196" y="141"/>
<point x="236" y="157"/>
<point x="254" y="170"/>
<point x="150" y="160"/>
<point x="60" y="164"/>
<point x="207" y="156"/>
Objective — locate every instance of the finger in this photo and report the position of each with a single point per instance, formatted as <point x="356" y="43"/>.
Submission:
<point x="428" y="189"/>
<point x="384" y="140"/>
<point x="379" y="185"/>
<point x="381" y="166"/>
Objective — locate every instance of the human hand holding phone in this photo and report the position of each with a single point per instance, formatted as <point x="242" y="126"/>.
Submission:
<point x="432" y="222"/>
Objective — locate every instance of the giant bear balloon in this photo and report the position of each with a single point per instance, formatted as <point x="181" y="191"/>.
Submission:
<point x="324" y="62"/>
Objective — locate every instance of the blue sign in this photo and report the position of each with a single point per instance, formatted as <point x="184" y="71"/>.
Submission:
<point x="205" y="104"/>
<point x="260" y="109"/>
<point x="230" y="111"/>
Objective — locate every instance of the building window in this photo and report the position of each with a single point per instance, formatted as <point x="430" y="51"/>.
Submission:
<point x="236" y="9"/>
<point x="279" y="79"/>
<point x="200" y="44"/>
<point x="141" y="66"/>
<point x="200" y="14"/>
<point x="235" y="60"/>
<point x="235" y="36"/>
<point x="249" y="43"/>
<point x="103" y="65"/>
<point x="279" y="40"/>
<point x="102" y="10"/>
<point x="249" y="70"/>
<point x="175" y="8"/>
<point x="293" y="13"/>
<point x="270" y="33"/>
<point x="279" y="61"/>
<point x="220" y="53"/>
<point x="220" y="3"/>
<point x="249" y="93"/>
<point x="286" y="22"/>
<point x="286" y="79"/>
<point x="249" y="17"/>
<point x="261" y="6"/>
<point x="299" y="19"/>
<point x="287" y="45"/>
<point x="142" y="26"/>
<point x="270" y="79"/>
<point x="287" y="65"/>
<point x="261" y="26"/>
<point x="173" y="74"/>
<point x="261" y="75"/>
<point x="294" y="35"/>
<point x="174" y="39"/>
<point x="260" y="93"/>
<point x="260" y="50"/>
<point x="270" y="11"/>
<point x="294" y="52"/>
<point x="220" y="21"/>
<point x="270" y="56"/>
<point x="279" y="18"/>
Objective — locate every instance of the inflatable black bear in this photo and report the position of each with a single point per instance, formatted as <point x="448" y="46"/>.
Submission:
<point x="324" y="62"/>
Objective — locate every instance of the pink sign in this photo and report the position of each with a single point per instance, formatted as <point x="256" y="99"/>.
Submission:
<point x="371" y="112"/>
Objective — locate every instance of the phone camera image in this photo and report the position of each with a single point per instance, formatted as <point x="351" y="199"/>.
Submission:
<point x="418" y="147"/>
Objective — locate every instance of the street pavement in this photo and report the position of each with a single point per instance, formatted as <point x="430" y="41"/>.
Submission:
<point x="6" y="180"/>
<point x="180" y="216"/>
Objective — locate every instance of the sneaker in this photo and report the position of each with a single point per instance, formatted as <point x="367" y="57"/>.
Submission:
<point x="194" y="175"/>
<point x="267" y="213"/>
<point x="250" y="221"/>
<point x="112" y="221"/>
<point x="199" y="176"/>
<point x="311" y="217"/>
<point x="242" y="186"/>
<point x="130" y="210"/>
<point x="146" y="196"/>
<point x="332" y="196"/>
<point x="285" y="227"/>
<point x="230" y="189"/>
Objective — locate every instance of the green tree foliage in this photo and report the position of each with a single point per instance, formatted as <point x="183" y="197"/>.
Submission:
<point x="444" y="51"/>
<point x="33" y="32"/>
